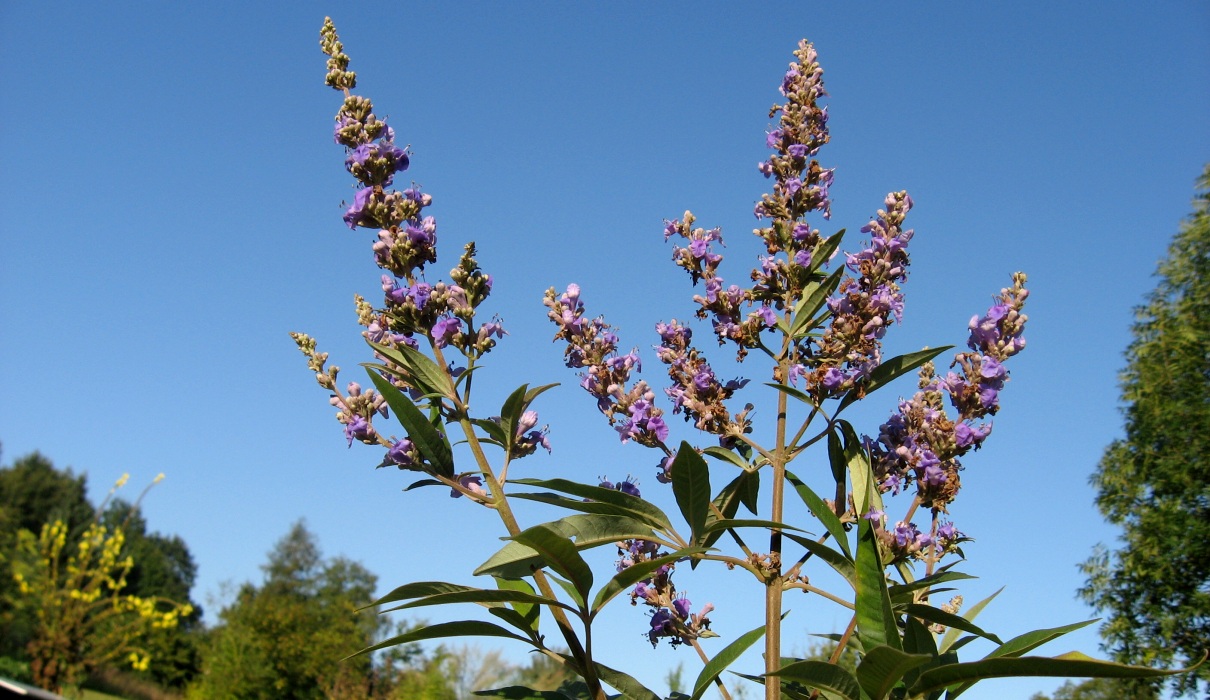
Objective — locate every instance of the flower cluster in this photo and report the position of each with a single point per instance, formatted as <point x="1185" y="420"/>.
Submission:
<point x="593" y="346"/>
<point x="921" y="444"/>
<point x="865" y="305"/>
<point x="695" y="390"/>
<point x="671" y="614"/>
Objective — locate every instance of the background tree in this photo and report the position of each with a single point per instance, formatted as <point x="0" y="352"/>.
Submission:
<point x="1155" y="482"/>
<point x="286" y="638"/>
<point x="1098" y="689"/>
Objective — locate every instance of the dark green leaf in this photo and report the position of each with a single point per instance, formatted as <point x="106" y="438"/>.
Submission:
<point x="841" y="564"/>
<point x="420" y="589"/>
<point x="825" y="249"/>
<point x="836" y="457"/>
<point x="889" y="371"/>
<point x="529" y="613"/>
<point x="691" y="487"/>
<point x="494" y="430"/>
<point x="875" y="618"/>
<point x="727" y="456"/>
<point x="792" y="393"/>
<point x="822" y="675"/>
<point x="813" y="300"/>
<point x="882" y="667"/>
<point x="638" y="572"/>
<point x="464" y="628"/>
<point x="723" y="659"/>
<point x="821" y="510"/>
<point x="484" y="597"/>
<point x="516" y="619"/>
<point x="428" y="440"/>
<point x="516" y="560"/>
<point x="560" y="554"/>
<point x="588" y="506"/>
<point x="947" y="640"/>
<point x="422" y="483"/>
<point x="648" y="512"/>
<point x="903" y="592"/>
<point x="517" y="692"/>
<point x="425" y="374"/>
<point x="917" y="639"/>
<point x="1070" y="665"/>
<point x="631" y="688"/>
<point x="735" y="524"/>
<point x="931" y="614"/>
<point x="727" y="502"/>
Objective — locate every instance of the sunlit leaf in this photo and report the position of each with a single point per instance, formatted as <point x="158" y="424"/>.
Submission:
<point x="821" y="510"/>
<point x="723" y="659"/>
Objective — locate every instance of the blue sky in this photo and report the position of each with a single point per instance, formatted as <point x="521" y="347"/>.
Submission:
<point x="170" y="210"/>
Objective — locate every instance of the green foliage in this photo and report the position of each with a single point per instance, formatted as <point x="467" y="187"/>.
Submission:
<point x="285" y="638"/>
<point x="1155" y="482"/>
<point x="1099" y="689"/>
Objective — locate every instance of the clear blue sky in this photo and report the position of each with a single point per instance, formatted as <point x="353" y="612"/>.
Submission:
<point x="170" y="210"/>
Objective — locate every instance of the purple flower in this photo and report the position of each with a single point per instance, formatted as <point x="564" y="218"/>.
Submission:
<point x="398" y="453"/>
<point x="682" y="606"/>
<point x="358" y="428"/>
<point x="470" y="482"/>
<point x="354" y="216"/>
<point x="444" y="330"/>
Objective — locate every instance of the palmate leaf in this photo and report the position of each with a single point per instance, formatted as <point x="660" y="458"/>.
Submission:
<point x="691" y="487"/>
<point x="1070" y="665"/>
<point x="428" y="440"/>
<point x="516" y="560"/>
<point x="464" y="628"/>
<point x="723" y="659"/>
<point x="882" y="667"/>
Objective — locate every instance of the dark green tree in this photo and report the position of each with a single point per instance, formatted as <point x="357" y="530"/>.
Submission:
<point x="1097" y="689"/>
<point x="286" y="637"/>
<point x="1155" y="482"/>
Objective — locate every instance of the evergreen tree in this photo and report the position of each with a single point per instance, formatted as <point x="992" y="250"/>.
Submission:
<point x="1155" y="482"/>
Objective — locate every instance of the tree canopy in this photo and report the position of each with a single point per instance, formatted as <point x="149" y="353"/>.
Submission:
<point x="1155" y="481"/>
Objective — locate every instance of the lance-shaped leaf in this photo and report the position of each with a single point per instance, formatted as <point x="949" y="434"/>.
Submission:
<point x="903" y="592"/>
<point x="839" y="562"/>
<point x="529" y="613"/>
<point x="814" y="296"/>
<point x="727" y="456"/>
<point x="518" y="692"/>
<point x="1070" y="665"/>
<point x="424" y="373"/>
<point x="691" y="487"/>
<point x="723" y="659"/>
<point x="821" y="511"/>
<point x="796" y="394"/>
<point x="464" y="628"/>
<point x="866" y="494"/>
<point x="516" y="560"/>
<point x="823" y="675"/>
<point x="514" y="407"/>
<point x="930" y="614"/>
<point x="875" y="618"/>
<point x="419" y="589"/>
<point x="637" y="507"/>
<point x="481" y="596"/>
<point x="889" y="371"/>
<point x="422" y="483"/>
<point x="951" y="636"/>
<point x="917" y="639"/>
<point x="631" y="688"/>
<point x="428" y="440"/>
<point x="633" y="574"/>
<point x="882" y="667"/>
<point x="749" y="522"/>
<point x="727" y="502"/>
<point x="560" y="554"/>
<point x="1021" y="644"/>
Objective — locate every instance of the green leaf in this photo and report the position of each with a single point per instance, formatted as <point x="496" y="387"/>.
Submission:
<point x="883" y="666"/>
<point x="941" y="617"/>
<point x="638" y="572"/>
<point x="875" y="618"/>
<point x="517" y="692"/>
<point x="889" y="371"/>
<point x="485" y="597"/>
<point x="422" y="483"/>
<point x="727" y="502"/>
<point x="425" y="374"/>
<point x="641" y="509"/>
<point x="742" y="522"/>
<point x="841" y="564"/>
<point x="587" y="506"/>
<point x="825" y="249"/>
<point x="1070" y="665"/>
<point x="814" y="297"/>
<point x="951" y="635"/>
<point x="494" y="432"/>
<point x="723" y="659"/>
<point x="420" y="589"/>
<point x="691" y="487"/>
<point x="821" y="511"/>
<point x="560" y="554"/>
<point x="917" y="639"/>
<point x="727" y="456"/>
<point x="464" y="628"/>
<point x="529" y="613"/>
<point x="516" y="560"/>
<point x="512" y="617"/>
<point x="793" y="393"/>
<point x="428" y="440"/>
<point x="902" y="591"/>
<point x="822" y="675"/>
<point x="865" y="488"/>
<point x="630" y="687"/>
<point x="1032" y="640"/>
